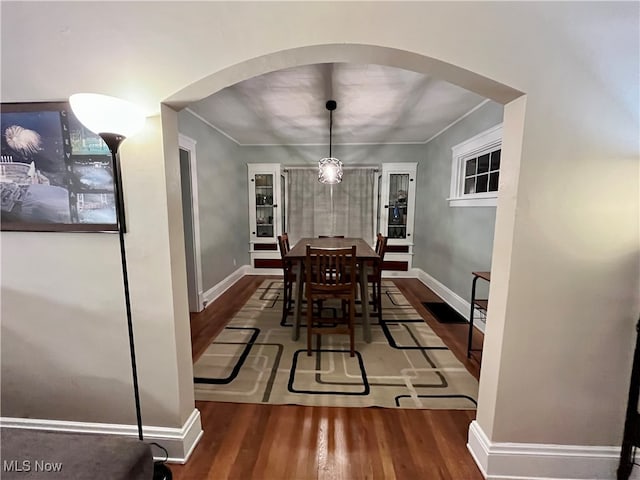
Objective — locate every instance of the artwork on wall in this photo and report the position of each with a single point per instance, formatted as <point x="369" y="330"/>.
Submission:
<point x="55" y="175"/>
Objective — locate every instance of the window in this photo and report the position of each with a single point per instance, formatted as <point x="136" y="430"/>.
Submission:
<point x="475" y="170"/>
<point x="346" y="208"/>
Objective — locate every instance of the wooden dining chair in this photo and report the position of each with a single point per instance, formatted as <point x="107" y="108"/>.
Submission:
<point x="374" y="273"/>
<point x="288" y="275"/>
<point x="327" y="276"/>
<point x="320" y="304"/>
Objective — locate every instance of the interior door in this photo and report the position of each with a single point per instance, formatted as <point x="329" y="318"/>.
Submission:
<point x="189" y="230"/>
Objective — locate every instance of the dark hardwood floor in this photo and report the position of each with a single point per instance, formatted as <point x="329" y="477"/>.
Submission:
<point x="206" y="325"/>
<point x="273" y="442"/>
<point x="454" y="335"/>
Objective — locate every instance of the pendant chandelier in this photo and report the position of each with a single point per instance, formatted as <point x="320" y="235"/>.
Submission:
<point x="330" y="168"/>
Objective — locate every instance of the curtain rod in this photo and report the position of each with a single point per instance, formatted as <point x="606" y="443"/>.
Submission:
<point x="311" y="167"/>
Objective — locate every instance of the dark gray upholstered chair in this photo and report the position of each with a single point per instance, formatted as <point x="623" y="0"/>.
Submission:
<point x="80" y="456"/>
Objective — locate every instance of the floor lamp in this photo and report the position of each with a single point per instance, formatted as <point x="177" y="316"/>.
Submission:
<point x="114" y="120"/>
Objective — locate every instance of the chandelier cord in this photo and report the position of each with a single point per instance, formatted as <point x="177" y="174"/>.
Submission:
<point x="330" y="130"/>
<point x="329" y="168"/>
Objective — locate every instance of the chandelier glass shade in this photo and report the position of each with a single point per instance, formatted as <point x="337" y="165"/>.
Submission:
<point x="330" y="168"/>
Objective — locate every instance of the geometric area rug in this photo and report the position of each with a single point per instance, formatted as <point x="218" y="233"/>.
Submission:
<point x="406" y="365"/>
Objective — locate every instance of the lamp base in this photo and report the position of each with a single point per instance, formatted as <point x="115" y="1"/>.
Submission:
<point x="161" y="472"/>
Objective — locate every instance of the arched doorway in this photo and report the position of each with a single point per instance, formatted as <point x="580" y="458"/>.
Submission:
<point x="395" y="58"/>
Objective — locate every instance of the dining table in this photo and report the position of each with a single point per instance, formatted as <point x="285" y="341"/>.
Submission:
<point x="364" y="254"/>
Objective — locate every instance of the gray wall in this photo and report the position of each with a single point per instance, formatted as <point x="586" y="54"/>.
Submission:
<point x="350" y="155"/>
<point x="65" y="350"/>
<point x="557" y="240"/>
<point x="222" y="198"/>
<point x="451" y="242"/>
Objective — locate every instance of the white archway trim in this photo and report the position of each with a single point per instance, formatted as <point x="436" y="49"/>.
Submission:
<point x="349" y="53"/>
<point x="513" y="127"/>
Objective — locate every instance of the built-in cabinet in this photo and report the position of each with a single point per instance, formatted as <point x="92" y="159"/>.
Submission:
<point x="396" y="212"/>
<point x="266" y="213"/>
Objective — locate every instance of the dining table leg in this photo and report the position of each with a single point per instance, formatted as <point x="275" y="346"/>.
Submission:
<point x="297" y="309"/>
<point x="364" y="296"/>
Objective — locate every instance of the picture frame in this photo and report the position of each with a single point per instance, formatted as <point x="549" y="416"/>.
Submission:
<point x="55" y="174"/>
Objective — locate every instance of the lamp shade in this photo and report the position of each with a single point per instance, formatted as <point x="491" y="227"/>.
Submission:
<point x="105" y="114"/>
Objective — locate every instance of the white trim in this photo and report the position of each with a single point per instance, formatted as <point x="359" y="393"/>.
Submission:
<point x="222" y="286"/>
<point x="448" y="295"/>
<point x="189" y="145"/>
<point x="410" y="169"/>
<point x="417" y="142"/>
<point x="459" y="119"/>
<point x="474" y="202"/>
<point x="208" y="123"/>
<point x="454" y="300"/>
<point x="478" y="142"/>
<point x="490" y="139"/>
<point x="411" y="273"/>
<point x="284" y="202"/>
<point x="537" y="461"/>
<point x="264" y="169"/>
<point x="377" y="204"/>
<point x="263" y="271"/>
<point x="179" y="442"/>
<point x="286" y="168"/>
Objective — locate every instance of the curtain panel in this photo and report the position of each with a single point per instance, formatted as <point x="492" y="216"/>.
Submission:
<point x="343" y="209"/>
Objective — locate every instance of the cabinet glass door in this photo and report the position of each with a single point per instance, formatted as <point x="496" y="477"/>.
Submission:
<point x="398" y="193"/>
<point x="264" y="205"/>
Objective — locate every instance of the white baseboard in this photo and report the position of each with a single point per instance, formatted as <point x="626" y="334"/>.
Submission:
<point x="454" y="300"/>
<point x="448" y="295"/>
<point x="263" y="271"/>
<point x="411" y="273"/>
<point x="533" y="461"/>
<point x="179" y="442"/>
<point x="221" y="287"/>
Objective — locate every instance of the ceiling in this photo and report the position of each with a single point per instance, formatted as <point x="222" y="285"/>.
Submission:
<point x="376" y="104"/>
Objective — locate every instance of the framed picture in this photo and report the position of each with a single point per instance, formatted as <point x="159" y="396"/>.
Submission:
<point x="55" y="175"/>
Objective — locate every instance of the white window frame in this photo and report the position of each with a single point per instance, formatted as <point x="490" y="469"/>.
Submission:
<point x="487" y="141"/>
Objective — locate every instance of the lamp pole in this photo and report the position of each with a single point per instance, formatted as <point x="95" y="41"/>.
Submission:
<point x="113" y="141"/>
<point x="103" y="115"/>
